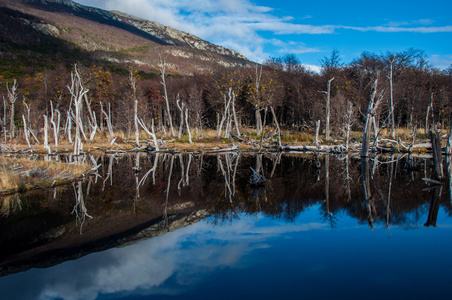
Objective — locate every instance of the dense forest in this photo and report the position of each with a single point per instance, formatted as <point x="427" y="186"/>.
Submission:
<point x="279" y="93"/>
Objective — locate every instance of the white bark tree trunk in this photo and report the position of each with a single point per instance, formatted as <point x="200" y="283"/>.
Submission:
<point x="77" y="92"/>
<point x="26" y="131"/>
<point x="12" y="97"/>
<point x="391" y="90"/>
<point x="46" y="136"/>
<point x="374" y="101"/>
<point x="327" y="110"/>
<point x="165" y="95"/>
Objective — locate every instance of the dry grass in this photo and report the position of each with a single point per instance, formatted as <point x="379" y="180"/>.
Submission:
<point x="21" y="173"/>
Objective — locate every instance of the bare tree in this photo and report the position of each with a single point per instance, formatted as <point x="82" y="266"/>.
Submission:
<point x="46" y="135"/>
<point x="55" y="125"/>
<point x="226" y="114"/>
<point x="256" y="100"/>
<point x="12" y="97"/>
<point x="133" y="85"/>
<point x="372" y="106"/>
<point x="327" y="109"/>
<point x="108" y="120"/>
<point x="26" y="132"/>
<point x="77" y="92"/>
<point x="4" y="117"/>
<point x="162" y="68"/>
<point x="391" y="91"/>
<point x="29" y="129"/>
<point x="348" y="123"/>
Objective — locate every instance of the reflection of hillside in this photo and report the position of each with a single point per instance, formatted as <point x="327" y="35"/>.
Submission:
<point x="299" y="182"/>
<point x="142" y="196"/>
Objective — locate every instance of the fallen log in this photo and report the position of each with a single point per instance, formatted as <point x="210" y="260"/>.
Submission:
<point x="218" y="150"/>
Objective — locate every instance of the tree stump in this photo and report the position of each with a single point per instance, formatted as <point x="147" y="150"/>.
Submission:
<point x="437" y="157"/>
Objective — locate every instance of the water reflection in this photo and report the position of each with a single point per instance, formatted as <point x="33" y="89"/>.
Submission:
<point x="248" y="258"/>
<point x="155" y="203"/>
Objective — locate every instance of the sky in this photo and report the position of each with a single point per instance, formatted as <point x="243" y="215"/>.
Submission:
<point x="260" y="29"/>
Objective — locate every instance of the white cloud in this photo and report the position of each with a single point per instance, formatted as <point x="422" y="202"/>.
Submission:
<point x="189" y="254"/>
<point x="441" y="61"/>
<point x="234" y="24"/>
<point x="411" y="23"/>
<point x="400" y="29"/>
<point x="242" y="25"/>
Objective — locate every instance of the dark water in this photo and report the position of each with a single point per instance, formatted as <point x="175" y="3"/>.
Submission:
<point x="321" y="227"/>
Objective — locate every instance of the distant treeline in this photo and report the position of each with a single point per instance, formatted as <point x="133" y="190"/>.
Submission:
<point x="281" y="91"/>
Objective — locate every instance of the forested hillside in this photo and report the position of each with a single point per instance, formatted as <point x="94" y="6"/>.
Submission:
<point x="170" y="86"/>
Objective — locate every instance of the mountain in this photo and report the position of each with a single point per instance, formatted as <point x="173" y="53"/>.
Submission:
<point x="108" y="35"/>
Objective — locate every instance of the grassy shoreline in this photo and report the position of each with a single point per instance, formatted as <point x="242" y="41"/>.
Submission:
<point x="21" y="174"/>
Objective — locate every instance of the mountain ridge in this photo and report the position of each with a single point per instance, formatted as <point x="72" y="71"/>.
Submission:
<point x="109" y="34"/>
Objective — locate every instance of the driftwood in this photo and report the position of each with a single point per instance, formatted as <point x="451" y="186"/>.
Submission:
<point x="218" y="150"/>
<point x="320" y="148"/>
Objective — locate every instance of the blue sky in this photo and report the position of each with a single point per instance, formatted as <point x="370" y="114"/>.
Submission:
<point x="261" y="29"/>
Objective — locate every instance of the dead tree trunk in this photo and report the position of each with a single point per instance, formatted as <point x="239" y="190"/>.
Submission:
<point x="133" y="85"/>
<point x="391" y="91"/>
<point x="317" y="128"/>
<point x="437" y="157"/>
<point x="327" y="109"/>
<point x="449" y="140"/>
<point x="46" y="136"/>
<point x="162" y="67"/>
<point x="56" y="126"/>
<point x="256" y="100"/>
<point x="348" y="119"/>
<point x="181" y="107"/>
<point x="235" y="114"/>
<point x="371" y="108"/>
<point x="152" y="134"/>
<point x="4" y="117"/>
<point x="188" y="126"/>
<point x="26" y="131"/>
<point x="275" y="118"/>
<point x="108" y="119"/>
<point x="77" y="92"/>
<point x="12" y="97"/>
<point x="227" y="103"/>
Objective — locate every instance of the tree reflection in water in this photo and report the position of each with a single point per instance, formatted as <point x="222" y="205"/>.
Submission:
<point x="121" y="200"/>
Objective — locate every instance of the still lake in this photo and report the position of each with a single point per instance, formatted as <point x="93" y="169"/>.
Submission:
<point x="173" y="226"/>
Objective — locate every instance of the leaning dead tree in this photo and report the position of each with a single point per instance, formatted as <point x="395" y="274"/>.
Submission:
<point x="152" y="134"/>
<point x="77" y="92"/>
<point x="27" y="122"/>
<point x="372" y="106"/>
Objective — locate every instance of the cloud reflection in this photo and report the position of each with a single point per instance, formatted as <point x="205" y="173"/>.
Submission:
<point x="164" y="265"/>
